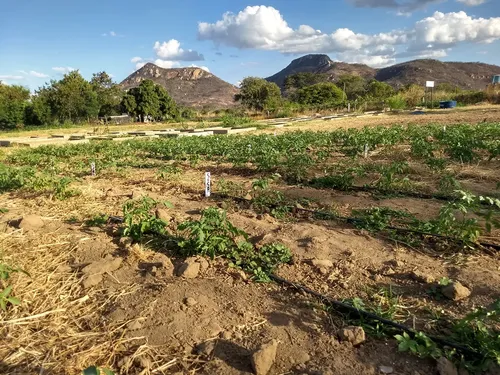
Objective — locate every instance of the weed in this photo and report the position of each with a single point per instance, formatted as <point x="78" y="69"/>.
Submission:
<point x="97" y="221"/>
<point x="139" y="220"/>
<point x="169" y="171"/>
<point x="419" y="345"/>
<point x="93" y="370"/>
<point x="214" y="235"/>
<point x="6" y="297"/>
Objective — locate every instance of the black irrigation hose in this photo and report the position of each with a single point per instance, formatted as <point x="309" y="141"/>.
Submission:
<point x="344" y="307"/>
<point x="354" y="220"/>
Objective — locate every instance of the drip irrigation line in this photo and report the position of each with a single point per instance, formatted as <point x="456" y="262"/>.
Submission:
<point x="355" y="220"/>
<point x="344" y="307"/>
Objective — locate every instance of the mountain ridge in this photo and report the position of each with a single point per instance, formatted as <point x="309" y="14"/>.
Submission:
<point x="465" y="75"/>
<point x="192" y="86"/>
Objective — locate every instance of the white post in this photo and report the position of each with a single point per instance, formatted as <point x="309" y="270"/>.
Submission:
<point x="366" y="150"/>
<point x="92" y="169"/>
<point x="207" y="184"/>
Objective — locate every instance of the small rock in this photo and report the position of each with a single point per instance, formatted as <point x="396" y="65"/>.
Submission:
<point x="456" y="291"/>
<point x="238" y="274"/>
<point x="396" y="263"/>
<point x="137" y="194"/>
<point x="263" y="359"/>
<point x="189" y="270"/>
<point x="162" y="260"/>
<point x="445" y="367"/>
<point x="135" y="325"/>
<point x="213" y="328"/>
<point x="91" y="280"/>
<point x="125" y="241"/>
<point x="205" y="348"/>
<point x="30" y="222"/>
<point x="102" y="266"/>
<point x="226" y="335"/>
<point x="190" y="301"/>
<point x="204" y="265"/>
<point x="322" y="263"/>
<point x="422" y="277"/>
<point x="386" y="369"/>
<point x="248" y="197"/>
<point x="389" y="271"/>
<point x="238" y="336"/>
<point x="353" y="334"/>
<point x="299" y="206"/>
<point x="64" y="268"/>
<point x="323" y="271"/>
<point x="163" y="214"/>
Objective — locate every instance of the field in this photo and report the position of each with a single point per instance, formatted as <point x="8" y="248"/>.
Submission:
<point x="134" y="270"/>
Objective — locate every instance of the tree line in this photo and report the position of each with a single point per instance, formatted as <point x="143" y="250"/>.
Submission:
<point x="73" y="100"/>
<point x="312" y="91"/>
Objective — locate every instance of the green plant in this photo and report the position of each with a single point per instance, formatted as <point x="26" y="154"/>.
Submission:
<point x="6" y="297"/>
<point x="214" y="235"/>
<point x="419" y="345"/>
<point x="93" y="370"/>
<point x="169" y="171"/>
<point x="97" y="221"/>
<point x="139" y="220"/>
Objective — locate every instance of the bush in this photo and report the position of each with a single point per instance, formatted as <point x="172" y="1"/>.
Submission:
<point x="396" y="102"/>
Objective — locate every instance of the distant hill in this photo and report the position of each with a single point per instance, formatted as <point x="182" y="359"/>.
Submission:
<point x="193" y="87"/>
<point x="466" y="75"/>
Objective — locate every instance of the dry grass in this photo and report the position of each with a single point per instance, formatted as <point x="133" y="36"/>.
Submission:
<point x="58" y="327"/>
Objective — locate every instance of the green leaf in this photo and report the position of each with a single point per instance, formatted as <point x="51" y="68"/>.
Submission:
<point x="107" y="371"/>
<point x="92" y="370"/>
<point x="14" y="300"/>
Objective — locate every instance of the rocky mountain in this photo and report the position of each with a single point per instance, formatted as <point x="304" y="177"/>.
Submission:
<point x="466" y="75"/>
<point x="193" y="87"/>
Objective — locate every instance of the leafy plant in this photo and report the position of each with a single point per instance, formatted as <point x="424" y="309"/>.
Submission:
<point x="6" y="297"/>
<point x="214" y="235"/>
<point x="139" y="220"/>
<point x="93" y="370"/>
<point x="419" y="345"/>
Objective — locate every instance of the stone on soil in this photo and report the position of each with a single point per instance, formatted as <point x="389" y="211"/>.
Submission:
<point x="354" y="334"/>
<point x="422" y="277"/>
<point x="263" y="359"/>
<point x="102" y="266"/>
<point x="164" y="261"/>
<point x="92" y="280"/>
<point x="322" y="263"/>
<point x="445" y="367"/>
<point x="30" y="222"/>
<point x="386" y="369"/>
<point x="205" y="348"/>
<point x="456" y="291"/>
<point x="190" y="301"/>
<point x="189" y="269"/>
<point x="163" y="214"/>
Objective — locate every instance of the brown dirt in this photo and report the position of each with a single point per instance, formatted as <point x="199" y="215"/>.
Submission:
<point x="160" y="318"/>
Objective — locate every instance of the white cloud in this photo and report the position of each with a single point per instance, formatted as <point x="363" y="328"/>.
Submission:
<point x="112" y="33"/>
<point x="172" y="50"/>
<point x="166" y="63"/>
<point x="472" y="3"/>
<point x="136" y="59"/>
<point x="264" y="28"/>
<point x="63" y="69"/>
<point x="37" y="74"/>
<point x="201" y="67"/>
<point x="10" y="77"/>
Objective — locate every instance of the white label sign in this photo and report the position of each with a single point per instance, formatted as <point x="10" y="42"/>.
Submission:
<point x="92" y="169"/>
<point x="207" y="184"/>
<point x="429" y="84"/>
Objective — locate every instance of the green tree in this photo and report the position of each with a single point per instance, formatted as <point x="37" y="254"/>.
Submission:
<point x="257" y="93"/>
<point x="379" y="90"/>
<point x="74" y="99"/>
<point x="149" y="100"/>
<point x="353" y="85"/>
<point x="325" y="94"/>
<point x="108" y="93"/>
<point x="13" y="101"/>
<point x="301" y="80"/>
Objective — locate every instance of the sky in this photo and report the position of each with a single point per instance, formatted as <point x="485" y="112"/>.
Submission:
<point x="233" y="39"/>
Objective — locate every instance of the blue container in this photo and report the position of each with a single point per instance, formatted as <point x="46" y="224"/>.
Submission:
<point x="496" y="79"/>
<point x="448" y="104"/>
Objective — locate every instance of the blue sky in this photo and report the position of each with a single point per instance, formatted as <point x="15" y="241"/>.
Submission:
<point x="40" y="40"/>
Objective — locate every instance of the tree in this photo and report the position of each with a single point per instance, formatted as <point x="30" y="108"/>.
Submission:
<point x="13" y="101"/>
<point x="353" y="85"/>
<point x="301" y="80"/>
<point x="257" y="93"/>
<point x="325" y="94"/>
<point x="108" y="93"/>
<point x="379" y="90"/>
<point x="149" y="100"/>
<point x="74" y="99"/>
